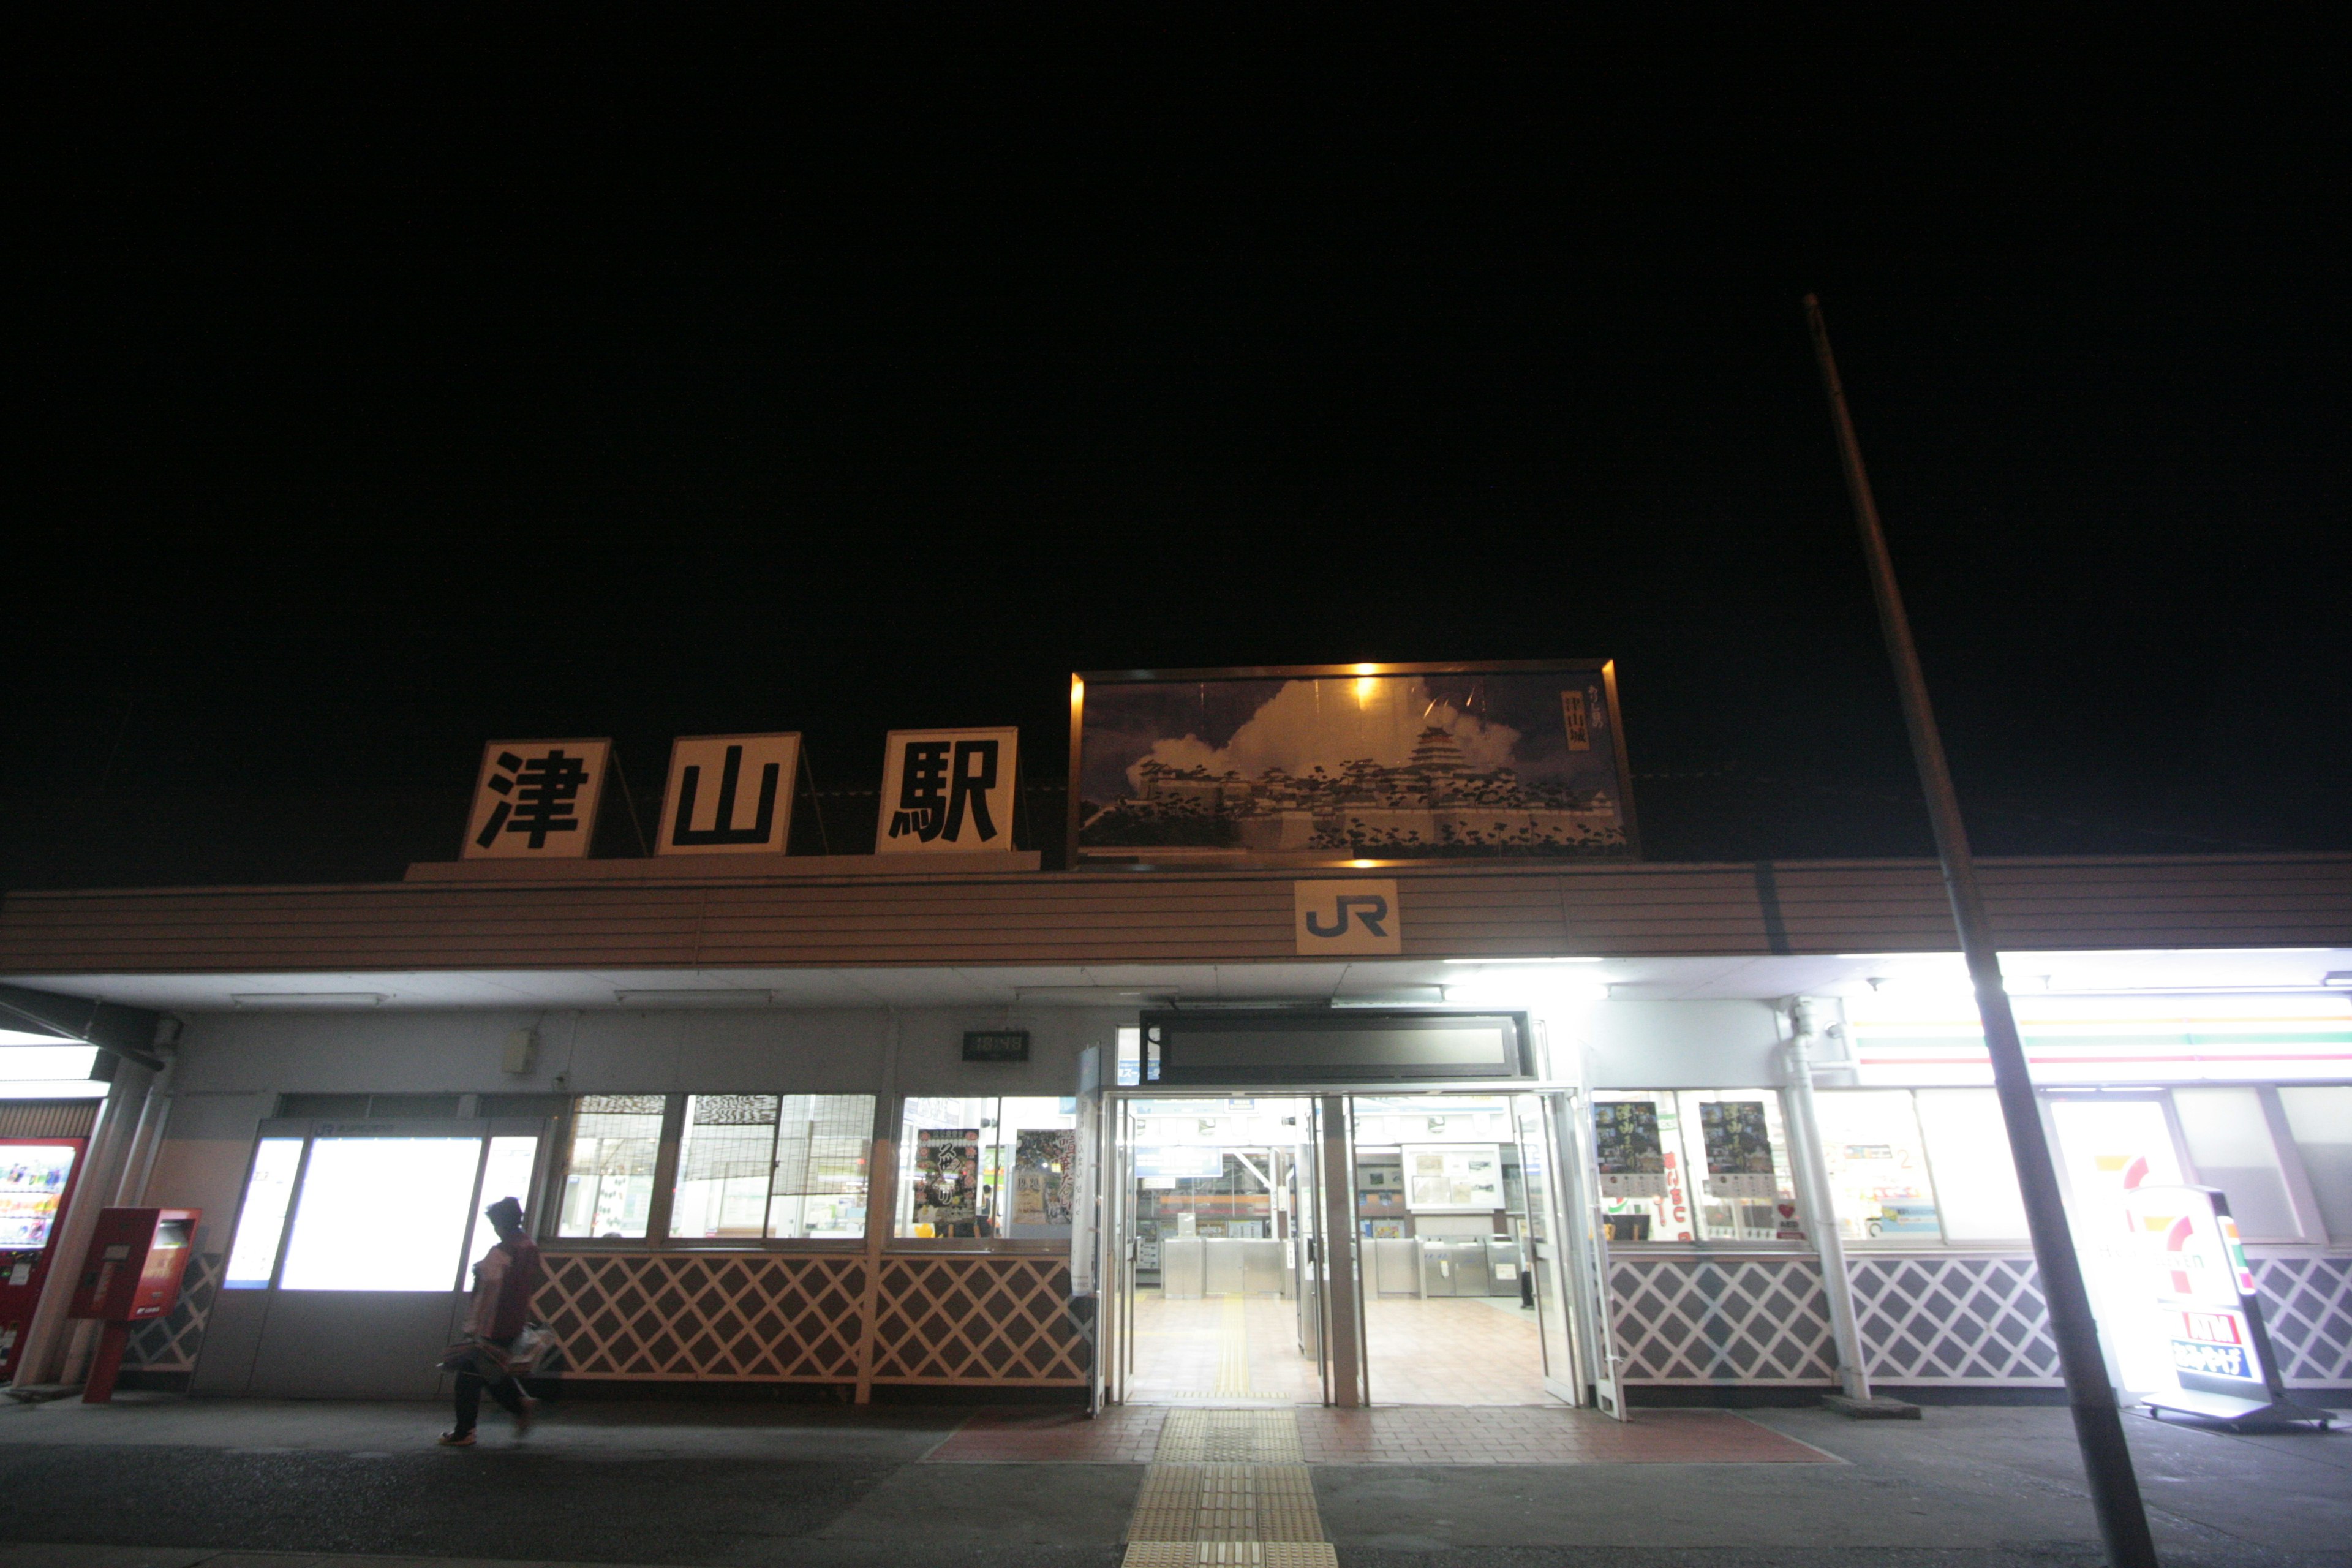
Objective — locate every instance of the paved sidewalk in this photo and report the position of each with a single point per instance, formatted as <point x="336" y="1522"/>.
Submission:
<point x="163" y="1482"/>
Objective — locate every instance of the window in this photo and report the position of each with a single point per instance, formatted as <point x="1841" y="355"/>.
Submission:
<point x="2229" y="1141"/>
<point x="608" y="1186"/>
<point x="971" y="1169"/>
<point x="1877" y="1165"/>
<point x="506" y="1175"/>
<point x="261" y="1225"/>
<point x="382" y="1214"/>
<point x="1967" y="1153"/>
<point x="1707" y="1165"/>
<point x="787" y="1166"/>
<point x="2320" y="1117"/>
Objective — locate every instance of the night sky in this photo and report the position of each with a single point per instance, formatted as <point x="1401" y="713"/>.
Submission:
<point x="377" y="395"/>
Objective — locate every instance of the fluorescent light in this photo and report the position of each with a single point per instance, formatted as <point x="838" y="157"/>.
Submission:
<point x="695" y="996"/>
<point x="1574" y="958"/>
<point x="1520" y="992"/>
<point x="309" y="998"/>
<point x="2337" y="979"/>
<point x="53" y="1089"/>
<point x="27" y="1038"/>
<point x="48" y="1063"/>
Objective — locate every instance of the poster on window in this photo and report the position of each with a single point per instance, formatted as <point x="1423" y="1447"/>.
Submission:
<point x="1453" y="1178"/>
<point x="947" y="1175"/>
<point x="1044" y="1159"/>
<point x="1738" y="1150"/>
<point x="1627" y="1149"/>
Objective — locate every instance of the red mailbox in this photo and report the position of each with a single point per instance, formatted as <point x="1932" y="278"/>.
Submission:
<point x="131" y="1274"/>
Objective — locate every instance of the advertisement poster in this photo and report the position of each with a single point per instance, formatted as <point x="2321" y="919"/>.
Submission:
<point x="947" y="1175"/>
<point x="1044" y="1159"/>
<point x="1453" y="1178"/>
<point x="1738" y="1150"/>
<point x="32" y="1180"/>
<point x="1626" y="1145"/>
<point x="1297" y="766"/>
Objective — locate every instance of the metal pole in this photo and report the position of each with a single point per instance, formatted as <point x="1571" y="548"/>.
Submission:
<point x="2099" y="1423"/>
<point x="1811" y="1171"/>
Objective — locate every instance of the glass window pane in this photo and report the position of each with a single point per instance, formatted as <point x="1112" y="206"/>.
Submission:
<point x="1736" y="1139"/>
<point x="1642" y="1181"/>
<point x="819" y="1191"/>
<point x="382" y="1214"/>
<point x="941" y="1141"/>
<point x="1967" y="1153"/>
<point x="506" y="1175"/>
<point x="726" y="1157"/>
<point x="1877" y="1165"/>
<point x="2229" y="1141"/>
<point x="261" y="1224"/>
<point x="608" y="1185"/>
<point x="1035" y="1167"/>
<point x="2321" y="1119"/>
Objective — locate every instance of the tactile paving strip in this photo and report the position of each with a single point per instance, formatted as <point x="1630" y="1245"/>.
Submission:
<point x="1230" y="1437"/>
<point x="1238" y="1554"/>
<point x="1229" y="1487"/>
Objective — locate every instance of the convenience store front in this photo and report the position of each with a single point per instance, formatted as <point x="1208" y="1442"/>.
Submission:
<point x="987" y="1174"/>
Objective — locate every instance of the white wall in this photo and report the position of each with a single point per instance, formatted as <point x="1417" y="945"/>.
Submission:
<point x="1683" y="1045"/>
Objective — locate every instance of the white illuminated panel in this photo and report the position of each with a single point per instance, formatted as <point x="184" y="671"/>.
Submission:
<point x="47" y="1071"/>
<point x="263" y="1222"/>
<point x="506" y="1176"/>
<point x="382" y="1214"/>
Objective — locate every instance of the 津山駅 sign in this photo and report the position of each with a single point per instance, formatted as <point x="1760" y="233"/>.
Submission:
<point x="729" y="794"/>
<point x="946" y="790"/>
<point x="1329" y="763"/>
<point x="536" y="800"/>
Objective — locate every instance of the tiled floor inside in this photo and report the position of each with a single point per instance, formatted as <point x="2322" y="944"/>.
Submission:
<point x="1230" y="1349"/>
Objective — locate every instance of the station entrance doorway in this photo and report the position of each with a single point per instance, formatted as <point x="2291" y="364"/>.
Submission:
<point x="1404" y="1247"/>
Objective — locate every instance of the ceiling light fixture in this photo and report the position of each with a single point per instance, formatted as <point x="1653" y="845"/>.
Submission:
<point x="309" y="998"/>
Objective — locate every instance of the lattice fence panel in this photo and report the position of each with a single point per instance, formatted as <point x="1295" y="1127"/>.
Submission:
<point x="1002" y="1320"/>
<point x="2307" y="1306"/>
<point x="739" y="1317"/>
<point x="1964" y="1320"/>
<point x="1753" y="1319"/>
<point x="171" y="1341"/>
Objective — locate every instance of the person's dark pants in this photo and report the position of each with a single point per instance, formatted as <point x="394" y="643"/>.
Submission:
<point x="503" y="1388"/>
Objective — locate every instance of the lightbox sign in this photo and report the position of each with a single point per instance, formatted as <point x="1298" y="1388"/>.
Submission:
<point x="1324" y="765"/>
<point x="1342" y="1045"/>
<point x="2208" y="1308"/>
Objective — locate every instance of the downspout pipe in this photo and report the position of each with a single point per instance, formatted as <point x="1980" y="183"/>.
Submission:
<point x="1812" y="1175"/>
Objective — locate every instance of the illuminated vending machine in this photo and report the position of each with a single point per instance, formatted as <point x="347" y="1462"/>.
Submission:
<point x="2207" y="1308"/>
<point x="36" y="1181"/>
<point x="130" y="1275"/>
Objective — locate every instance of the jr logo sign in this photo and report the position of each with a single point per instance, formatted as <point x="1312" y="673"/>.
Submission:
<point x="1347" y="918"/>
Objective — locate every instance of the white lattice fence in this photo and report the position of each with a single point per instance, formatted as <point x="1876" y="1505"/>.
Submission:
<point x="169" y="1343"/>
<point x="1748" y="1320"/>
<point x="1976" y="1321"/>
<point x="741" y="1316"/>
<point x="2307" y="1306"/>
<point x="991" y="1320"/>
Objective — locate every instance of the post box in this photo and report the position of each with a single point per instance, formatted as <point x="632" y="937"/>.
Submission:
<point x="130" y="1275"/>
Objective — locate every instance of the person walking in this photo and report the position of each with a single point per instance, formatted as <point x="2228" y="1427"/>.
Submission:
<point x="504" y="1282"/>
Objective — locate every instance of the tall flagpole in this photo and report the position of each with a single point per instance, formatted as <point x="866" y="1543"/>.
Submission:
<point x="2099" y="1423"/>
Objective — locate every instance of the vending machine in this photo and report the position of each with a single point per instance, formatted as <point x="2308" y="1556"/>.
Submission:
<point x="130" y="1275"/>
<point x="37" y="1182"/>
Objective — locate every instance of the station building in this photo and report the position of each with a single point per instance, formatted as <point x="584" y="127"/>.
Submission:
<point x="1604" y="1134"/>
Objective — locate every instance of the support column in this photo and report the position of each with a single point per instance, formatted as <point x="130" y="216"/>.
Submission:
<point x="881" y="1209"/>
<point x="1811" y="1171"/>
<point x="1342" y="1344"/>
<point x="52" y="1349"/>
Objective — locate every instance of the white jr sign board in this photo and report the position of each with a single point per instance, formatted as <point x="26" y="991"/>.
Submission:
<point x="946" y="790"/>
<point x="1343" y="919"/>
<point x="729" y="794"/>
<point x="536" y="800"/>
